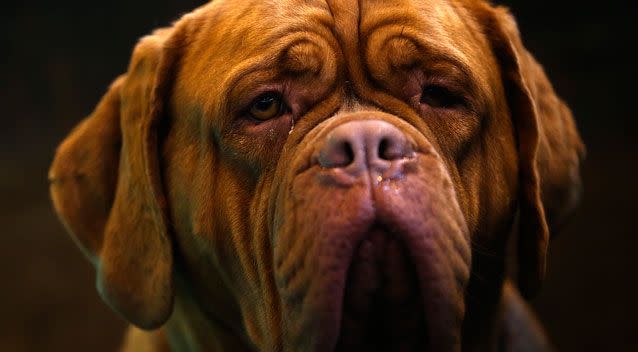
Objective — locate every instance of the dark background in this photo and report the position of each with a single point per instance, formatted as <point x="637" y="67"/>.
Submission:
<point x="58" y="57"/>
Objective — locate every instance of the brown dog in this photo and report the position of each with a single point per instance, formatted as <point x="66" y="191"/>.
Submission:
<point x="323" y="176"/>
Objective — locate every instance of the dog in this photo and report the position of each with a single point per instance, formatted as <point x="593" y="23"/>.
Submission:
<point x="324" y="176"/>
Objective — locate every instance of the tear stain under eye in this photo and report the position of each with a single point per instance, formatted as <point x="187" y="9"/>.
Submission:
<point x="292" y="125"/>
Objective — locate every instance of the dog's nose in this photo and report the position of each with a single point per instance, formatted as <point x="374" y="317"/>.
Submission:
<point x="366" y="144"/>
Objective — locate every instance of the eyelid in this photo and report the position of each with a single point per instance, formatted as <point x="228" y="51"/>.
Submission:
<point x="462" y="90"/>
<point x="458" y="80"/>
<point x="241" y="99"/>
<point x="447" y="97"/>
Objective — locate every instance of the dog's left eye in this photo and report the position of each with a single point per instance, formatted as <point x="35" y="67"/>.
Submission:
<point x="266" y="106"/>
<point x="440" y="97"/>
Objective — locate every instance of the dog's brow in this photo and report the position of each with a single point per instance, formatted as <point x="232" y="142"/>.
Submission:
<point x="452" y="61"/>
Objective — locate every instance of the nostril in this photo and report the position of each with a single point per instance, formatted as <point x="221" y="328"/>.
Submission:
<point x="383" y="149"/>
<point x="341" y="155"/>
<point x="348" y="153"/>
<point x="391" y="148"/>
<point x="337" y="153"/>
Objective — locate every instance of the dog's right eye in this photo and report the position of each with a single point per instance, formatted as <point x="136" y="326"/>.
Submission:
<point x="440" y="97"/>
<point x="266" y="106"/>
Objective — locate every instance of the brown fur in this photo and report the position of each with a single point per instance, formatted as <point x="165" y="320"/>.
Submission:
<point x="175" y="201"/>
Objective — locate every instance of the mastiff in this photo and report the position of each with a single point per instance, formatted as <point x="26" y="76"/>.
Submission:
<point x="324" y="175"/>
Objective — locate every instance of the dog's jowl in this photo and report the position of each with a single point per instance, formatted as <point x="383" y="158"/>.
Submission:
<point x="324" y="176"/>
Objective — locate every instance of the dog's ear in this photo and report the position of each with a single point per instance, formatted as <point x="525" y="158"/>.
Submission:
<point x="106" y="187"/>
<point x="549" y="146"/>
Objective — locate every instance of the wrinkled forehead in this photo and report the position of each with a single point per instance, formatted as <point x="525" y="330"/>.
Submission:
<point x="237" y="34"/>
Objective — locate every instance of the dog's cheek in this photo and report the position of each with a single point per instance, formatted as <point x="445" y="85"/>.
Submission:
<point x="191" y="181"/>
<point x="254" y="147"/>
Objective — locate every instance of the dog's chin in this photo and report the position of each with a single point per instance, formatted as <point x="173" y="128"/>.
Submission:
<point x="383" y="306"/>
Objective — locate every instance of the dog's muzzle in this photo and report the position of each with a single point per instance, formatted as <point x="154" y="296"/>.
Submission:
<point x="368" y="239"/>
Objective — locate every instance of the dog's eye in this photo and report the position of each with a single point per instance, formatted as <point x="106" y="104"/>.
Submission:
<point x="440" y="97"/>
<point x="266" y="106"/>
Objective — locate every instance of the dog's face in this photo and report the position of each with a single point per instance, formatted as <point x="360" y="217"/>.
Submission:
<point x="322" y="176"/>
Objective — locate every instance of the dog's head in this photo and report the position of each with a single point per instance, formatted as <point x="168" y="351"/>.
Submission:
<point x="322" y="176"/>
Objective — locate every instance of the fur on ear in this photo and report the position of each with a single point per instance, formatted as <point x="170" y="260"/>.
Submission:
<point x="550" y="148"/>
<point x="106" y="187"/>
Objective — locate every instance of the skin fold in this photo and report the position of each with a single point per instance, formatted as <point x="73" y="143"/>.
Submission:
<point x="372" y="212"/>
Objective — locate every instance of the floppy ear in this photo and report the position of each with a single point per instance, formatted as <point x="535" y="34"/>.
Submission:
<point x="550" y="149"/>
<point x="106" y="188"/>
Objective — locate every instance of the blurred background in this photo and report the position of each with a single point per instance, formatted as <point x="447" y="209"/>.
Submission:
<point x="58" y="58"/>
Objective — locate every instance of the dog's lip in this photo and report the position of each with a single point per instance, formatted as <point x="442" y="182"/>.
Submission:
<point x="393" y="239"/>
<point x="439" y="314"/>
